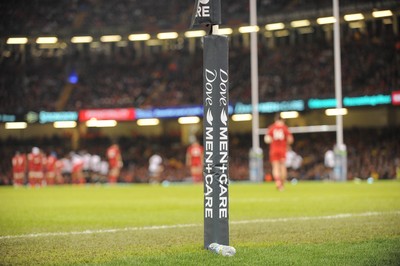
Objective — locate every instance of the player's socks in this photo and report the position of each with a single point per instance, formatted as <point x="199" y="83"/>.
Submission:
<point x="278" y="183"/>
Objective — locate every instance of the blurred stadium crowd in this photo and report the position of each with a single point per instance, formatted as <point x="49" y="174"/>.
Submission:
<point x="170" y="78"/>
<point x="293" y="68"/>
<point x="90" y="16"/>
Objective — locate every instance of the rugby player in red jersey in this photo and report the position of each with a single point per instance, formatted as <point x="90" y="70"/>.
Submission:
<point x="115" y="163"/>
<point x="35" y="167"/>
<point x="194" y="160"/>
<point x="19" y="168"/>
<point x="278" y="137"/>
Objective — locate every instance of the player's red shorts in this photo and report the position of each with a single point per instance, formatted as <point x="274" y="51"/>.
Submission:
<point x="277" y="155"/>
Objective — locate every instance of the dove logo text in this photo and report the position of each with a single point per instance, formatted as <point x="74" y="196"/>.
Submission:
<point x="210" y="76"/>
<point x="223" y="101"/>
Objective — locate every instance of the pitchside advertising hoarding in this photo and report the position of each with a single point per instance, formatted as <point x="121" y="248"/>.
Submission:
<point x="396" y="98"/>
<point x="118" y="114"/>
<point x="215" y="140"/>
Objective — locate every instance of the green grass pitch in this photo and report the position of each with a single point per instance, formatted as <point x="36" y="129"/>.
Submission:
<point x="311" y="223"/>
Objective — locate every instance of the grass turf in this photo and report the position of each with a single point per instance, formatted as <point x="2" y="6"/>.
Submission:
<point x="313" y="232"/>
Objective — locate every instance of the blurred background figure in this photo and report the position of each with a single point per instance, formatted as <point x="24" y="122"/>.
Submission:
<point x="95" y="165"/>
<point x="293" y="164"/>
<point x="87" y="173"/>
<point x="155" y="168"/>
<point x="194" y="159"/>
<point x="66" y="168"/>
<point x="103" y="170"/>
<point x="35" y="167"/>
<point x="115" y="163"/>
<point x="329" y="162"/>
<point x="77" y="169"/>
<point x="19" y="168"/>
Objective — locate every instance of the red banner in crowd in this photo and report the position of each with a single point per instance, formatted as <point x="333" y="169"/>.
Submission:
<point x="119" y="114"/>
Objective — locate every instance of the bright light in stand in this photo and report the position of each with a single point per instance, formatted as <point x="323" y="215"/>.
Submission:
<point x="275" y="26"/>
<point x="353" y="17"/>
<point x="188" y="120"/>
<point x="64" y="124"/>
<point x="81" y="39"/>
<point x="17" y="40"/>
<point x="249" y="29"/>
<point x="326" y="20"/>
<point x="382" y="13"/>
<point x="139" y="37"/>
<point x="148" y="122"/>
<point x="336" y="111"/>
<point x="167" y="35"/>
<point x="241" y="117"/>
<point x="101" y="123"/>
<point x="16" y="125"/>
<point x="289" y="114"/>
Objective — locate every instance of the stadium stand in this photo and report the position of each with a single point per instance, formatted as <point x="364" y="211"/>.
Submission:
<point x="126" y="80"/>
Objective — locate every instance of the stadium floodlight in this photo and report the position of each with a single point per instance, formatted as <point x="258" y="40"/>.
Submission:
<point x="336" y="111"/>
<point x="248" y="29"/>
<point x="195" y="33"/>
<point x="188" y="120"/>
<point x="101" y="123"/>
<point x="16" y="125"/>
<point x="82" y="39"/>
<point x="167" y="35"/>
<point x="382" y="13"/>
<point x="139" y="37"/>
<point x="242" y="117"/>
<point x="64" y="124"/>
<point x="225" y="31"/>
<point x="275" y="26"/>
<point x="46" y="40"/>
<point x="110" y="38"/>
<point x="353" y="17"/>
<point x="300" y="23"/>
<point x="17" y="40"/>
<point x="148" y="122"/>
<point x="289" y="114"/>
<point x="326" y="20"/>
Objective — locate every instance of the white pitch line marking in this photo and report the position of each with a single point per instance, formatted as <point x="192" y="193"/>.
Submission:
<point x="160" y="227"/>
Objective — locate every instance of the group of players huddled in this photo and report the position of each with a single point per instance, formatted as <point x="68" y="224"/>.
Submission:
<point x="38" y="169"/>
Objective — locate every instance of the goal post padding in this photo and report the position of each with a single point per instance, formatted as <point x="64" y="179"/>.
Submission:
<point x="215" y="140"/>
